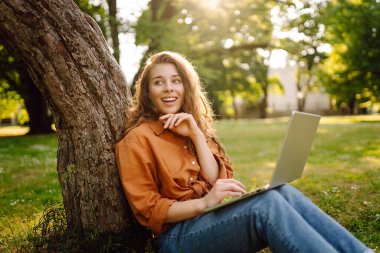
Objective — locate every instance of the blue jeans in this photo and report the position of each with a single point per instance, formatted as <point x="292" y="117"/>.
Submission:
<point x="282" y="218"/>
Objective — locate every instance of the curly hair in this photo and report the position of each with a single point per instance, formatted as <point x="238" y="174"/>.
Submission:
<point x="195" y="101"/>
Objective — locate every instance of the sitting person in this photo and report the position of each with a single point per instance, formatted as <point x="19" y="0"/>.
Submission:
<point x="172" y="167"/>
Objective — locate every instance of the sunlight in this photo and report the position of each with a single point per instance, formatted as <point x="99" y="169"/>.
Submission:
<point x="228" y="43"/>
<point x="278" y="58"/>
<point x="325" y="48"/>
<point x="13" y="131"/>
<point x="212" y="4"/>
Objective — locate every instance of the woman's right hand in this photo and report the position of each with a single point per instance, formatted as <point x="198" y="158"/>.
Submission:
<point x="182" y="210"/>
<point x="223" y="188"/>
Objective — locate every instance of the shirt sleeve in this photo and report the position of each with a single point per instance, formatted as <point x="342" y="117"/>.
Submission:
<point x="139" y="179"/>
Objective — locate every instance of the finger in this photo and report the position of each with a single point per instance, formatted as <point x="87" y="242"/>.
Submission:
<point x="188" y="117"/>
<point x="233" y="194"/>
<point x="228" y="194"/>
<point x="237" y="185"/>
<point x="168" y="121"/>
<point x="181" y="119"/>
<point x="174" y="119"/>
<point x="231" y="181"/>
<point x="230" y="187"/>
<point x="164" y="118"/>
<point x="237" y="188"/>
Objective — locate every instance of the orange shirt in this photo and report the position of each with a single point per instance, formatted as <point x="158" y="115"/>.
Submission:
<point x="157" y="168"/>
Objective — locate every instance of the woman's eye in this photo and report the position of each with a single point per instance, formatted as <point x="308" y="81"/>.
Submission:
<point x="158" y="82"/>
<point x="177" y="81"/>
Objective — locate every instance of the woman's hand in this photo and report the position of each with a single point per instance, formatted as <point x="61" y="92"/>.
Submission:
<point x="181" y="123"/>
<point x="184" y="124"/>
<point x="223" y="188"/>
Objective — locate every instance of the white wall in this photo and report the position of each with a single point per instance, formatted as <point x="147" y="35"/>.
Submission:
<point x="283" y="104"/>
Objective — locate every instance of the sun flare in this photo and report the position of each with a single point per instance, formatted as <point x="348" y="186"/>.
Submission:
<point x="211" y="4"/>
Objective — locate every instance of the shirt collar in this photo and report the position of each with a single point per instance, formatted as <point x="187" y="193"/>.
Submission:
<point x="156" y="126"/>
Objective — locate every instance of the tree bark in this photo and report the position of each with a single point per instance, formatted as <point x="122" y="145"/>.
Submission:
<point x="114" y="27"/>
<point x="68" y="59"/>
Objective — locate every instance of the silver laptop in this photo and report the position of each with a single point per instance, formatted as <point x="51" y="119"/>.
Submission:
<point x="299" y="137"/>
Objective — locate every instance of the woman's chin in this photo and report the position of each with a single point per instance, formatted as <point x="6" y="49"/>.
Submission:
<point x="169" y="111"/>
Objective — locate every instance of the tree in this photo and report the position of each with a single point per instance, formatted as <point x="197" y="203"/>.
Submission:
<point x="14" y="73"/>
<point x="154" y="29"/>
<point x="248" y="30"/>
<point x="114" y="28"/>
<point x="194" y="29"/>
<point x="259" y="68"/>
<point x="303" y="19"/>
<point x="351" y="72"/>
<point x="68" y="59"/>
<point x="11" y="105"/>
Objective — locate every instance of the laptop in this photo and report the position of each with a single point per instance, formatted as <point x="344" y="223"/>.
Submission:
<point x="302" y="128"/>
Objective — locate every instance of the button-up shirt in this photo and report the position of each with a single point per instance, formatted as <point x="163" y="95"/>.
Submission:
<point x="157" y="168"/>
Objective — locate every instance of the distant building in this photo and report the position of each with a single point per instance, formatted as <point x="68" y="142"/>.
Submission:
<point x="316" y="102"/>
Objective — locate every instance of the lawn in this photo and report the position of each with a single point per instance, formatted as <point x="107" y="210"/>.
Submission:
<point x="342" y="174"/>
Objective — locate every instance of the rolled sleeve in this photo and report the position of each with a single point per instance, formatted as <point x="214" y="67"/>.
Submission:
<point x="140" y="184"/>
<point x="160" y="211"/>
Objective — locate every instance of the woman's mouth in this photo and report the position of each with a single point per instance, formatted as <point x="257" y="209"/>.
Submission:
<point x="169" y="99"/>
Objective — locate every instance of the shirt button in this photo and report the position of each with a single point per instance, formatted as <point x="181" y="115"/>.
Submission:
<point x="192" y="162"/>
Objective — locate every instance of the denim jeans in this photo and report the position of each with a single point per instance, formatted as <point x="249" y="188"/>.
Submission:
<point x="282" y="218"/>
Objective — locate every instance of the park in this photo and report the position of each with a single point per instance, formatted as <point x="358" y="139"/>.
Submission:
<point x="64" y="91"/>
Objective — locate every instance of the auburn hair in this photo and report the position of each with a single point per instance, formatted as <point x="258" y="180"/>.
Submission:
<point x="141" y="109"/>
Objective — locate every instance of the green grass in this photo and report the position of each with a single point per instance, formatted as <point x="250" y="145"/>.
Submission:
<point x="28" y="182"/>
<point x="342" y="174"/>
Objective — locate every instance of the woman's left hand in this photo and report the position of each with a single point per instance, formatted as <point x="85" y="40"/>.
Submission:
<point x="181" y="123"/>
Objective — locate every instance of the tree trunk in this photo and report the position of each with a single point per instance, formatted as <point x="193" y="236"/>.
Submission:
<point x="114" y="26"/>
<point x="39" y="119"/>
<point x="67" y="57"/>
<point x="18" y="79"/>
<point x="263" y="105"/>
<point x="161" y="11"/>
<point x="352" y="106"/>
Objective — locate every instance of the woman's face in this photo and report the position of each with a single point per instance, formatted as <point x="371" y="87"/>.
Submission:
<point x="166" y="89"/>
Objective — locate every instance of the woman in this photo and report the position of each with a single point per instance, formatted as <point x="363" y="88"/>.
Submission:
<point x="172" y="167"/>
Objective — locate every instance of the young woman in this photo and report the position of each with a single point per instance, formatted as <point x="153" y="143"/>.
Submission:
<point x="172" y="167"/>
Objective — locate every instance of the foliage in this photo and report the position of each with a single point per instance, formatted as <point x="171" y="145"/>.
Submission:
<point x="342" y="174"/>
<point x="49" y="231"/>
<point x="16" y="86"/>
<point x="304" y="41"/>
<point x="12" y="105"/>
<point x="96" y="11"/>
<point x="351" y="73"/>
<point x="10" y="101"/>
<point x="51" y="234"/>
<point x="221" y="50"/>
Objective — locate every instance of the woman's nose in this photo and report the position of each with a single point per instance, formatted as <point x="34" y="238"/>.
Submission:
<point x="169" y="86"/>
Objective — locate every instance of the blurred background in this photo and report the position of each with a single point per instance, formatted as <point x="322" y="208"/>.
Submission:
<point x="257" y="59"/>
